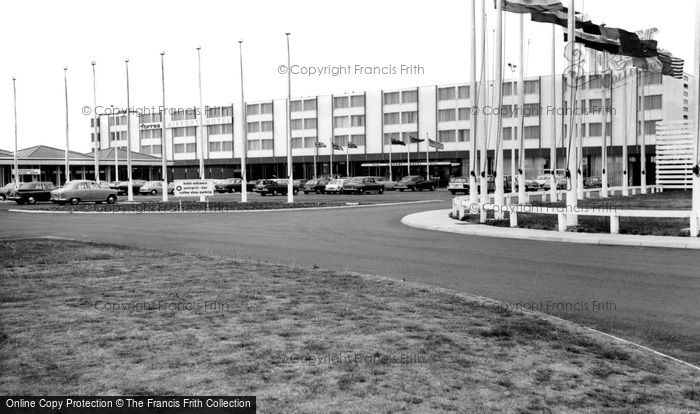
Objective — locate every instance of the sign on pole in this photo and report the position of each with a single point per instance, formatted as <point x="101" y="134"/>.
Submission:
<point x="25" y="171"/>
<point x="193" y="188"/>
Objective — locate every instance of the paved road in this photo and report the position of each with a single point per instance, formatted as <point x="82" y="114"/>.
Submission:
<point x="652" y="295"/>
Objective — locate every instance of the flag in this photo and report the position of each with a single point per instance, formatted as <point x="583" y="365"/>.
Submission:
<point x="337" y="147"/>
<point x="530" y="6"/>
<point x="435" y="144"/>
<point x="415" y="140"/>
<point x="615" y="41"/>
<point x="397" y="142"/>
<point x="320" y="145"/>
<point x="671" y="65"/>
<point x="351" y="145"/>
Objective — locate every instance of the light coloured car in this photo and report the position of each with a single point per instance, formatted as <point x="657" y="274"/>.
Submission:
<point x="458" y="185"/>
<point x="155" y="188"/>
<point x="335" y="186"/>
<point x="5" y="190"/>
<point x="542" y="179"/>
<point x="78" y="191"/>
<point x="388" y="184"/>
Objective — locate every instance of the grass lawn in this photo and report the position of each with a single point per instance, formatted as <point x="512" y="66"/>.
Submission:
<point x="92" y="319"/>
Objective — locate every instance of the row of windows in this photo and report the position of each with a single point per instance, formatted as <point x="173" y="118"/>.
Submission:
<point x="117" y="120"/>
<point x="450" y="93"/>
<point x="184" y="114"/>
<point x="451" y="135"/>
<point x="299" y="124"/>
<point x="185" y="148"/>
<point x="151" y="149"/>
<point x="150" y="133"/>
<point x="264" y="126"/>
<point x="448" y="115"/>
<point x="219" y="112"/>
<point x="117" y="135"/>
<point x="595" y="129"/>
<point x="260" y="144"/>
<point x="306" y="105"/>
<point x="343" y="140"/>
<point x="349" y="121"/>
<point x="259" y="109"/>
<point x="223" y="129"/>
<point x="395" y="118"/>
<point x="392" y="98"/>
<point x="529" y="132"/>
<point x="149" y="118"/>
<point x="221" y="146"/>
<point x="356" y="101"/>
<point x="184" y="132"/>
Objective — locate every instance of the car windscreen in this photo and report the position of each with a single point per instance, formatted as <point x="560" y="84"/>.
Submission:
<point x="355" y="180"/>
<point x="27" y="186"/>
<point x="459" y="180"/>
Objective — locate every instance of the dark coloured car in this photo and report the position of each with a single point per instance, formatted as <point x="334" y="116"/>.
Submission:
<point x="317" y="186"/>
<point x="362" y="185"/>
<point x="275" y="187"/>
<point x="30" y="193"/>
<point x="415" y="183"/>
<point x="593" y="182"/>
<point x="233" y="185"/>
<point x="122" y="187"/>
<point x="6" y="189"/>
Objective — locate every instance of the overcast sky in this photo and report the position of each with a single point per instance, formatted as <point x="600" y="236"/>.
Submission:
<point x="42" y="37"/>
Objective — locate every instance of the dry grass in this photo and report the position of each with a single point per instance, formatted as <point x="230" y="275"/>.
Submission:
<point x="464" y="358"/>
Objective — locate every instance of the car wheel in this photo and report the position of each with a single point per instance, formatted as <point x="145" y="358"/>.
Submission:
<point x="111" y="199"/>
<point x="295" y="192"/>
<point x="74" y="201"/>
<point x="432" y="188"/>
<point x="154" y="192"/>
<point x="3" y="197"/>
<point x="381" y="191"/>
<point x="31" y="200"/>
<point x="275" y="192"/>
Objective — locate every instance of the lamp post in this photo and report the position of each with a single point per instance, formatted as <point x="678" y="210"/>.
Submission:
<point x="163" y="156"/>
<point x="94" y="120"/>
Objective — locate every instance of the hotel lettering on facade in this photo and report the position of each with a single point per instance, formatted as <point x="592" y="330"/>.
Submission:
<point x="371" y="120"/>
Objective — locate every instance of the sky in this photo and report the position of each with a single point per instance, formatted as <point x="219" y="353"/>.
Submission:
<point x="43" y="37"/>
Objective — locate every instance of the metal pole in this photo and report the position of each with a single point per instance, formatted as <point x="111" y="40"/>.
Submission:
<point x="484" y="122"/>
<point x="347" y="161"/>
<point x="572" y="193"/>
<point x="94" y="120"/>
<point x="696" y="176"/>
<point x="427" y="156"/>
<point x="643" y="147"/>
<point x="243" y="131"/>
<point x="202" y="174"/>
<point x="579" y="152"/>
<point x="130" y="190"/>
<point x="290" y="166"/>
<point x="522" y="196"/>
<point x="16" y="163"/>
<point x="408" y="156"/>
<point x="473" y="189"/>
<point x="625" y="120"/>
<point x="67" y="162"/>
<point x="390" y="151"/>
<point x="604" y="141"/>
<point x="499" y="96"/>
<point x="163" y="156"/>
<point x="315" y="157"/>
<point x="553" y="193"/>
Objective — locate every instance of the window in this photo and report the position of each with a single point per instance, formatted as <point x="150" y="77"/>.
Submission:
<point x="357" y="101"/>
<point x="150" y="133"/>
<point x="92" y="122"/>
<point x="219" y="112"/>
<point x="358" y="139"/>
<point x="507" y="111"/>
<point x="389" y="136"/>
<point x="253" y="127"/>
<point x="184" y="114"/>
<point x="595" y="82"/>
<point x="184" y="148"/>
<point x="391" y="118"/>
<point x="391" y="98"/>
<point x="531" y="132"/>
<point x="446" y="115"/>
<point x="447" y="136"/>
<point x="653" y="102"/>
<point x="219" y="129"/>
<point x="341" y="122"/>
<point x="309" y="142"/>
<point x="340" y="102"/>
<point x="254" y="145"/>
<point x="532" y="87"/>
<point x="310" y="123"/>
<point x="464" y="114"/>
<point x="296" y="106"/>
<point x="649" y="127"/>
<point x="446" y="94"/>
<point x="357" y="120"/>
<point x="266" y="126"/>
<point x="595" y="129"/>
<point x="507" y="133"/>
<point x="215" y="147"/>
<point x="310" y="105"/>
<point x="406" y="136"/>
<point x="531" y="109"/>
<point x="266" y="108"/>
<point x="341" y="140"/>
<point x="409" y="96"/>
<point x="507" y="88"/>
<point x="463" y="92"/>
<point x="253" y="109"/>
<point x="409" y="117"/>
<point x="297" y="143"/>
<point x="463" y="135"/>
<point x="296" y="124"/>
<point x="266" y="144"/>
<point x="145" y="118"/>
<point x="184" y="132"/>
<point x="145" y="149"/>
<point x="227" y="146"/>
<point x="156" y="149"/>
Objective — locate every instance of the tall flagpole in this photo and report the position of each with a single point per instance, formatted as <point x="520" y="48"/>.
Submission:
<point x="347" y="160"/>
<point x="625" y="120"/>
<point x="243" y="132"/>
<point x="522" y="196"/>
<point x="391" y="145"/>
<point x="579" y="151"/>
<point x="483" y="87"/>
<point x="473" y="189"/>
<point x="290" y="169"/>
<point x="553" y="191"/>
<point x="163" y="156"/>
<point x="200" y="144"/>
<point x="408" y="156"/>
<point x="499" y="97"/>
<point x="16" y="163"/>
<point x="315" y="157"/>
<point x="696" y="175"/>
<point x="96" y="144"/>
<point x="572" y="165"/>
<point x="604" y="134"/>
<point x="130" y="190"/>
<point x="427" y="156"/>
<point x="643" y="147"/>
<point x="65" y="84"/>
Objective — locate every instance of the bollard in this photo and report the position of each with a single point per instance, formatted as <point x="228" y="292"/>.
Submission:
<point x="561" y="221"/>
<point x="482" y="213"/>
<point x="694" y="225"/>
<point x="513" y="218"/>
<point x="461" y="214"/>
<point x="614" y="224"/>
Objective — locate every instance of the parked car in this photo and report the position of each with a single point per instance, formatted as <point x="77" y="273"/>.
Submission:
<point x="30" y="193"/>
<point x="388" y="184"/>
<point x="233" y="185"/>
<point x="530" y="185"/>
<point x="317" y="186"/>
<point x="335" y="186"/>
<point x="542" y="179"/>
<point x="276" y="187"/>
<point x="458" y="185"/>
<point x="122" y="187"/>
<point x="6" y="189"/>
<point x="415" y="183"/>
<point x="75" y="192"/>
<point x="156" y="187"/>
<point x="560" y="180"/>
<point x="362" y="185"/>
<point x="593" y="182"/>
<point x="300" y="182"/>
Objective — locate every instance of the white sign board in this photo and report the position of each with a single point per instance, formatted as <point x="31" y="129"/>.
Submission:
<point x="192" y="188"/>
<point x="23" y="171"/>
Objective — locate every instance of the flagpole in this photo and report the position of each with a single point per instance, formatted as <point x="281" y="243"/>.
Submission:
<point x="290" y="169"/>
<point x="696" y="175"/>
<point x="604" y="141"/>
<point x="473" y="190"/>
<point x="625" y="155"/>
<point x="484" y="122"/>
<point x="579" y="153"/>
<point x="315" y="156"/>
<point x="522" y="196"/>
<point x="553" y="191"/>
<point x="427" y="156"/>
<point x="390" y="150"/>
<point x="65" y="83"/>
<point x="643" y="148"/>
<point x="130" y="189"/>
<point x="116" y="162"/>
<point x="408" y="156"/>
<point x="15" y="161"/>
<point x="347" y="160"/>
<point x="96" y="144"/>
<point x="571" y="194"/>
<point x="243" y="130"/>
<point x="499" y="96"/>
<point x="202" y="173"/>
<point x="163" y="156"/>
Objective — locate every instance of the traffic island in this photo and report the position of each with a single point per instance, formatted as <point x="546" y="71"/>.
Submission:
<point x="94" y="319"/>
